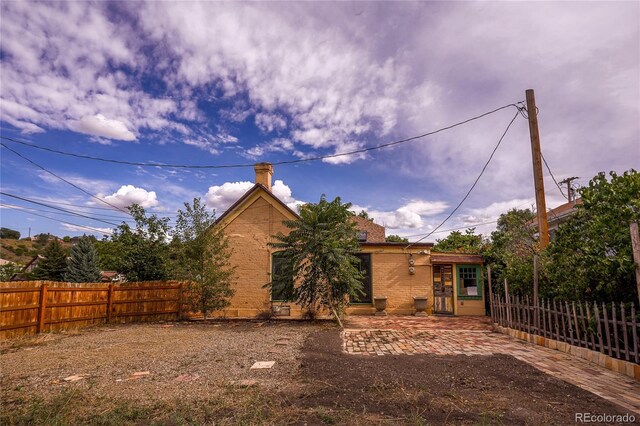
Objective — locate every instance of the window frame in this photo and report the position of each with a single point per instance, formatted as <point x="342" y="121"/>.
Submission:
<point x="479" y="282"/>
<point x="274" y="256"/>
<point x="370" y="281"/>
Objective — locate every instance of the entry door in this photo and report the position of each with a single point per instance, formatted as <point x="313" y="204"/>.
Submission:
<point x="443" y="289"/>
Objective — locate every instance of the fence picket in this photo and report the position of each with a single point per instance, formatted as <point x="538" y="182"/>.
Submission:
<point x="606" y="328"/>
<point x="575" y="322"/>
<point x="590" y="331"/>
<point x="634" y="332"/>
<point x="597" y="314"/>
<point x="614" y="318"/>
<point x="557" y="324"/>
<point x="624" y="332"/>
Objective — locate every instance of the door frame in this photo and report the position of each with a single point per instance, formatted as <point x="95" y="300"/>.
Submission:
<point x="443" y="296"/>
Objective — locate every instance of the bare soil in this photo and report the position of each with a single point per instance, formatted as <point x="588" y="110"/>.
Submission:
<point x="497" y="389"/>
<point x="199" y="373"/>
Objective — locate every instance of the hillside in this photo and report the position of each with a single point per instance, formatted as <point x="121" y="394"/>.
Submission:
<point x="22" y="251"/>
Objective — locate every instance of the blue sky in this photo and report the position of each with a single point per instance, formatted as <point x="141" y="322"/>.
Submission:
<point x="228" y="83"/>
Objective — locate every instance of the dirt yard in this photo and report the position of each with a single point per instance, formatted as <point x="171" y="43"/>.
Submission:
<point x="194" y="373"/>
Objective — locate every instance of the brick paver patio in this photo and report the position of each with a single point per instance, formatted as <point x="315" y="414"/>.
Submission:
<point x="407" y="335"/>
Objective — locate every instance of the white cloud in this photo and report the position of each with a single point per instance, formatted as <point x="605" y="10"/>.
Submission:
<point x="92" y="231"/>
<point x="128" y="195"/>
<point x="221" y="197"/>
<point x="101" y="126"/>
<point x="408" y="216"/>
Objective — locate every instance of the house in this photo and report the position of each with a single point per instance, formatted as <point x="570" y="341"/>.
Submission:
<point x="452" y="283"/>
<point x="28" y="268"/>
<point x="111" y="277"/>
<point x="561" y="214"/>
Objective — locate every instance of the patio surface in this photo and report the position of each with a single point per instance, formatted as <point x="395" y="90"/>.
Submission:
<point x="408" y="335"/>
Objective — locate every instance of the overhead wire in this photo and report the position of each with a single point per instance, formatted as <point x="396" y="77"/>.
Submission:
<point x="243" y="165"/>
<point x="553" y="177"/>
<point x="17" y="197"/>
<point x="63" y="179"/>
<point x="474" y="183"/>
<point x="62" y="221"/>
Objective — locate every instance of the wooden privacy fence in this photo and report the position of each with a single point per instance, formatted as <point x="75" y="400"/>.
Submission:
<point x="612" y="329"/>
<point x="37" y="306"/>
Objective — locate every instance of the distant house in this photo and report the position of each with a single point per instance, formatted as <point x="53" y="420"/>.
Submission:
<point x="452" y="283"/>
<point x="28" y="268"/>
<point x="111" y="277"/>
<point x="561" y="214"/>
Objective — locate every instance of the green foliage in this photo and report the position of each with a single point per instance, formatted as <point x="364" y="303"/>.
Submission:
<point x="139" y="253"/>
<point x="319" y="269"/>
<point x="510" y="252"/>
<point x="83" y="265"/>
<point x="9" y="234"/>
<point x="201" y="255"/>
<point x="54" y="264"/>
<point x="457" y="242"/>
<point x="363" y="214"/>
<point x="8" y="270"/>
<point x="396" y="239"/>
<point x="591" y="256"/>
<point x="66" y="239"/>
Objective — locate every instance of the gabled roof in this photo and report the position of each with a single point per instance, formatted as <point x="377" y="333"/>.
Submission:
<point x="240" y="205"/>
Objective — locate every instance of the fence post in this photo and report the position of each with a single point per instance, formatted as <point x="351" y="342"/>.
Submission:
<point x="180" y="301"/>
<point x="41" y="308"/>
<point x="490" y="294"/>
<point x="536" y="317"/>
<point x="109" y="302"/>
<point x="508" y="299"/>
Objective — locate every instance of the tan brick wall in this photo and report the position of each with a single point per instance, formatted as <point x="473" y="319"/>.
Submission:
<point x="249" y="235"/>
<point x="391" y="278"/>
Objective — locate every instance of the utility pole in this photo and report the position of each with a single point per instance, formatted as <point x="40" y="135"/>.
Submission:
<point x="541" y="205"/>
<point x="571" y="194"/>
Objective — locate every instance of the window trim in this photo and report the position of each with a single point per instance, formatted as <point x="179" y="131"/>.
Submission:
<point x="370" y="272"/>
<point x="479" y="282"/>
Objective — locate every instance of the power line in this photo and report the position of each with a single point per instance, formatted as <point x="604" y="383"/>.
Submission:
<point x="474" y="183"/>
<point x="242" y="165"/>
<point x="63" y="179"/>
<point x="553" y="177"/>
<point x="103" y="231"/>
<point x="61" y="203"/>
<point x="17" y="197"/>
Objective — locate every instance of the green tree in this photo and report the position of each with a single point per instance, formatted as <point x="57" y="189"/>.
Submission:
<point x="140" y="253"/>
<point x="591" y="256"/>
<point x="53" y="266"/>
<point x="201" y="256"/>
<point x="457" y="242"/>
<point x="363" y="214"/>
<point x="8" y="270"/>
<point x="319" y="268"/>
<point x="9" y="234"/>
<point x="83" y="265"/>
<point x="396" y="239"/>
<point x="511" y="249"/>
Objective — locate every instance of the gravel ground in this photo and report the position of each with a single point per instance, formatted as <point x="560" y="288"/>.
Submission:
<point x="189" y="361"/>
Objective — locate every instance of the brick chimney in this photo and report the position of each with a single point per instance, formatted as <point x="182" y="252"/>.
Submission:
<point x="264" y="172"/>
